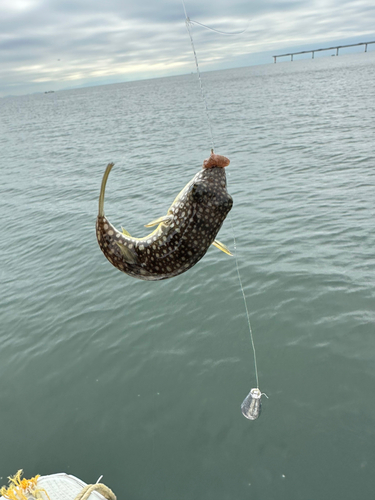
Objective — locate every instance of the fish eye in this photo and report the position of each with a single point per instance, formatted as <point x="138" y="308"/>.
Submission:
<point x="198" y="191"/>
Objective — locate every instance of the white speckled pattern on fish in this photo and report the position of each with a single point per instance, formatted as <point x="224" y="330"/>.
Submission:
<point x="179" y="242"/>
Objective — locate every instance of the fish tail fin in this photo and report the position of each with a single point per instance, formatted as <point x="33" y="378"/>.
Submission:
<point x="102" y="189"/>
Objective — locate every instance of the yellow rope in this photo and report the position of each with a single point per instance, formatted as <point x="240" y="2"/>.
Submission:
<point x="100" y="488"/>
<point x="22" y="489"/>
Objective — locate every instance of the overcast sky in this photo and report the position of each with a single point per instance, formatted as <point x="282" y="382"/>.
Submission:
<point x="56" y="44"/>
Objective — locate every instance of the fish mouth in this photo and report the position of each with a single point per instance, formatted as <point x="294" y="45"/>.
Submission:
<point x="216" y="161"/>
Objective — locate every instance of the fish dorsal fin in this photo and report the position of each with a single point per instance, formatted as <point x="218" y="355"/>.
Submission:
<point x="124" y="231"/>
<point x="129" y="255"/>
<point x="166" y="219"/>
<point x="222" y="247"/>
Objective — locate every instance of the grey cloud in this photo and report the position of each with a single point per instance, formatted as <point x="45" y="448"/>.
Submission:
<point x="31" y="43"/>
<point x="118" y="36"/>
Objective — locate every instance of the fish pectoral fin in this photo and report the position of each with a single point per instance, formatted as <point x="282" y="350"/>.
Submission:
<point x="222" y="247"/>
<point x="124" y="231"/>
<point x="129" y="255"/>
<point x="166" y="219"/>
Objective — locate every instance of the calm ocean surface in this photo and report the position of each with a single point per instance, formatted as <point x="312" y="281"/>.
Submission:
<point x="143" y="381"/>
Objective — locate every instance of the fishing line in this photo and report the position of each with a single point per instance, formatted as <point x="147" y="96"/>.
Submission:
<point x="188" y="24"/>
<point x="251" y="406"/>
<point x="245" y="302"/>
<point x="218" y="31"/>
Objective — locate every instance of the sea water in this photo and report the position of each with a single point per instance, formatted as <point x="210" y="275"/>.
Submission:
<point x="143" y="381"/>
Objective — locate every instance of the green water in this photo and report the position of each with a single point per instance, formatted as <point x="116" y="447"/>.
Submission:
<point x="142" y="382"/>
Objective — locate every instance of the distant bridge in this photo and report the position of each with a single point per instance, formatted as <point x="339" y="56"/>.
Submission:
<point x="337" y="48"/>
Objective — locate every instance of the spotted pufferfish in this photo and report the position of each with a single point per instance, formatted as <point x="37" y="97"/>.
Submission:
<point x="182" y="237"/>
